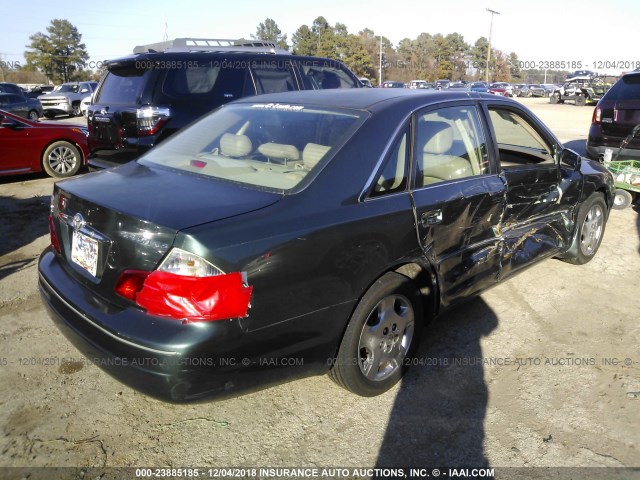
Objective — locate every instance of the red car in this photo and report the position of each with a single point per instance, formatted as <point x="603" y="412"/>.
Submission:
<point x="31" y="146"/>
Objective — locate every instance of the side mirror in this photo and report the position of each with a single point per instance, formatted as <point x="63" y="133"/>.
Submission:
<point x="570" y="159"/>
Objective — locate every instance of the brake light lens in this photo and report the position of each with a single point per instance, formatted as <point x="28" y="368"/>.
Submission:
<point x="597" y="116"/>
<point x="130" y="283"/>
<point x="151" y="119"/>
<point x="187" y="287"/>
<point x="55" y="241"/>
<point x="180" y="297"/>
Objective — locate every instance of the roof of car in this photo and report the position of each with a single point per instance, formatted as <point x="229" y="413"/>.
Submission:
<point x="363" y="99"/>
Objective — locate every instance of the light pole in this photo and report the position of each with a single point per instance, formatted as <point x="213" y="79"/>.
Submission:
<point x="380" y="70"/>
<point x="486" y="72"/>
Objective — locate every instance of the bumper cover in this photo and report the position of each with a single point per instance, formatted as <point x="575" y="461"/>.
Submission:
<point x="174" y="361"/>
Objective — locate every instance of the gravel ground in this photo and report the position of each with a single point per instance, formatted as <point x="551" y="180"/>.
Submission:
<point x="541" y="371"/>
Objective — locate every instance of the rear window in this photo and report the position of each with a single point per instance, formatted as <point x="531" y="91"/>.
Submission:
<point x="122" y="86"/>
<point x="627" y="88"/>
<point x="264" y="145"/>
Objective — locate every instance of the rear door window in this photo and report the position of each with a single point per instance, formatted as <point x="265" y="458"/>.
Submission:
<point x="324" y="74"/>
<point x="273" y="76"/>
<point x="219" y="80"/>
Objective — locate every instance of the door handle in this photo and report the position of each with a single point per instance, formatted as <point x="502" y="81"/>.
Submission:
<point x="431" y="218"/>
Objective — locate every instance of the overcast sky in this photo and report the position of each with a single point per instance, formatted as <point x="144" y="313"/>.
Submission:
<point x="598" y="33"/>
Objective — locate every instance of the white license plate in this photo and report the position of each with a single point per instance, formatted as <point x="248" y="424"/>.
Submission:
<point x="84" y="252"/>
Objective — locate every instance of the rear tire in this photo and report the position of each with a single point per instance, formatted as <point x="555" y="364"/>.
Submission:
<point x="61" y="159"/>
<point x="622" y="199"/>
<point x="592" y="220"/>
<point x="554" y="98"/>
<point x="33" y="115"/>
<point x="381" y="336"/>
<point x="581" y="101"/>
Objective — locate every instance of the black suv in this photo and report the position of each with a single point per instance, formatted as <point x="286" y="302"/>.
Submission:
<point x="613" y="120"/>
<point x="146" y="97"/>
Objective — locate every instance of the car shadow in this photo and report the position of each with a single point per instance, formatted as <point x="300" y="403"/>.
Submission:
<point x="437" y="419"/>
<point x="23" y="221"/>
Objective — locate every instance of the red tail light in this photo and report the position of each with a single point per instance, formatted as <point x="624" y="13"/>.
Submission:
<point x="183" y="297"/>
<point x="53" y="235"/>
<point x="209" y="298"/>
<point x="130" y="283"/>
<point x="151" y="119"/>
<point x="597" y="116"/>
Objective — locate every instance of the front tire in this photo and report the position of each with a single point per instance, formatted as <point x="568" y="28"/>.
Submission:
<point x="75" y="110"/>
<point x="554" y="98"/>
<point x="33" y="115"/>
<point x="381" y="336"/>
<point x="592" y="220"/>
<point x="61" y="159"/>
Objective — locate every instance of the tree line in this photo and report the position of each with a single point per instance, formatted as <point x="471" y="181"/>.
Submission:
<point x="59" y="55"/>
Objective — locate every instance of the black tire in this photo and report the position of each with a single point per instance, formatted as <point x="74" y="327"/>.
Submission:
<point x="49" y="115"/>
<point x="622" y="199"/>
<point x="76" y="110"/>
<point x="61" y="159"/>
<point x="381" y="337"/>
<point x="581" y="101"/>
<point x="554" y="98"/>
<point x="33" y="115"/>
<point x="592" y="220"/>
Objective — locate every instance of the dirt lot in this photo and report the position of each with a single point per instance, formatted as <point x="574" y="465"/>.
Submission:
<point x="542" y="371"/>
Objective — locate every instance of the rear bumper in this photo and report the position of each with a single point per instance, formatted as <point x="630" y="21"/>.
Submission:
<point x="168" y="359"/>
<point x="597" y="152"/>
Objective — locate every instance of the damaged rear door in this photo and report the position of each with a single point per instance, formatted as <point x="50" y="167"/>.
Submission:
<point x="540" y="193"/>
<point x="458" y="199"/>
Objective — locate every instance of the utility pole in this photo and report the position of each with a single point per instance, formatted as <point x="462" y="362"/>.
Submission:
<point x="486" y="72"/>
<point x="380" y="70"/>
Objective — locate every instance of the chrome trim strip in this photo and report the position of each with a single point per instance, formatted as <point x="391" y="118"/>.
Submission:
<point x="136" y="345"/>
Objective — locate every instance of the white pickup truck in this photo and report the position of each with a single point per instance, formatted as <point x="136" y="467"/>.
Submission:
<point x="66" y="99"/>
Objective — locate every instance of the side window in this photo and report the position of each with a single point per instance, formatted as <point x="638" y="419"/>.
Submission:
<point x="393" y="177"/>
<point x="210" y="81"/>
<point x="273" y="77"/>
<point x="518" y="141"/>
<point x="322" y="77"/>
<point x="449" y="144"/>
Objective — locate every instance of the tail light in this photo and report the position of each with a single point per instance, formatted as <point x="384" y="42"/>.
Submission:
<point x="55" y="241"/>
<point x="151" y="119"/>
<point x="187" y="287"/>
<point x="597" y="116"/>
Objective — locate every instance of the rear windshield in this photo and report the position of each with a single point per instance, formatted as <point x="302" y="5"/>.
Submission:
<point x="627" y="88"/>
<point x="122" y="86"/>
<point x="264" y="145"/>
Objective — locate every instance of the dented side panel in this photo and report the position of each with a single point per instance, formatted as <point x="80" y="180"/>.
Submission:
<point x="539" y="218"/>
<point x="458" y="226"/>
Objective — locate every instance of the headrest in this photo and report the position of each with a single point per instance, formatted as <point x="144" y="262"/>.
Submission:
<point x="279" y="150"/>
<point x="235" y="145"/>
<point x="313" y="153"/>
<point x="439" y="137"/>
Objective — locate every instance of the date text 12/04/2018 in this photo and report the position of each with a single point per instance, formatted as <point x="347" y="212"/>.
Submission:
<point x="578" y="64"/>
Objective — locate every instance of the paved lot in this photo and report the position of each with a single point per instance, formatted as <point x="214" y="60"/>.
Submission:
<point x="542" y="371"/>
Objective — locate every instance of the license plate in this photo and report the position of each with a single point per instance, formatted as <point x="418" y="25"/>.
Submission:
<point x="84" y="252"/>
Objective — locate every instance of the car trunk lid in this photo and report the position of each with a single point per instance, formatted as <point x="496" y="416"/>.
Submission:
<point x="127" y="218"/>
